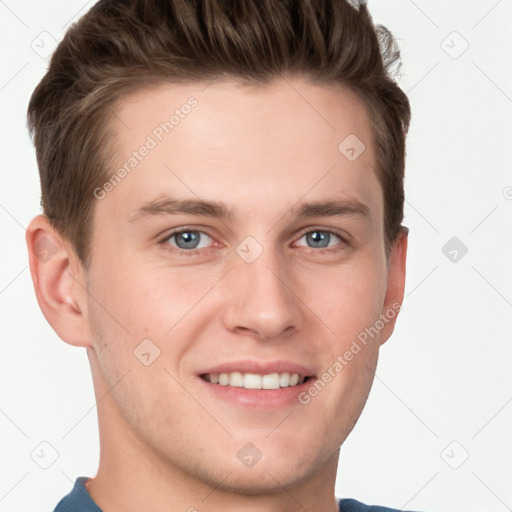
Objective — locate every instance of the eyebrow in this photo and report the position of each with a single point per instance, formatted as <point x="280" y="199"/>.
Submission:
<point x="218" y="210"/>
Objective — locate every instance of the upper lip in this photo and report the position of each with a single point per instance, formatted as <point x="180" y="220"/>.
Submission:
<point x="259" y="367"/>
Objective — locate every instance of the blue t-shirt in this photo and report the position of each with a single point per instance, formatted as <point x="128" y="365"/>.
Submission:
<point x="79" y="500"/>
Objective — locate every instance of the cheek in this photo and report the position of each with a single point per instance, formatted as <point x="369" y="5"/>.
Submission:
<point x="139" y="363"/>
<point x="350" y="304"/>
<point x="140" y="303"/>
<point x="350" y="300"/>
<point x="143" y="316"/>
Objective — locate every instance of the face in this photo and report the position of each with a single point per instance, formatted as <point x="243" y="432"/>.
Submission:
<point x="194" y="307"/>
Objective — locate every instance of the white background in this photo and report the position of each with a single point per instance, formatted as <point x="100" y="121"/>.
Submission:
<point x="443" y="388"/>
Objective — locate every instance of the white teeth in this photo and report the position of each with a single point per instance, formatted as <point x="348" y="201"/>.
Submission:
<point x="236" y="379"/>
<point x="270" y="381"/>
<point x="256" y="381"/>
<point x="252" y="381"/>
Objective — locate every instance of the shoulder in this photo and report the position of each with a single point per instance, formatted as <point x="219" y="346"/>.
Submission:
<point x="351" y="505"/>
<point x="78" y="500"/>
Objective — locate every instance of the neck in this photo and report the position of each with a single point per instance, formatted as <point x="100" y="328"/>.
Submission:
<point x="132" y="476"/>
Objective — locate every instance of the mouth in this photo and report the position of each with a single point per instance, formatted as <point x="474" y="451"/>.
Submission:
<point x="238" y="379"/>
<point x="261" y="385"/>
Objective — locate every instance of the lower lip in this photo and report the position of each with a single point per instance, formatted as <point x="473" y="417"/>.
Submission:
<point x="258" y="398"/>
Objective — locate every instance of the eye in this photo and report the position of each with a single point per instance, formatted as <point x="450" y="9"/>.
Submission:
<point x="321" y="238"/>
<point x="186" y="241"/>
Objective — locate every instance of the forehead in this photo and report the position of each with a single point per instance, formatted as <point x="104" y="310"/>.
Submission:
<point x="241" y="144"/>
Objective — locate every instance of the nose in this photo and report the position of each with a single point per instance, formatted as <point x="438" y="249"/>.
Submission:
<point x="261" y="300"/>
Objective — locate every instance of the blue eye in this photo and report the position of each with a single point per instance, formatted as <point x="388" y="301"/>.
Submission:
<point x="319" y="238"/>
<point x="187" y="242"/>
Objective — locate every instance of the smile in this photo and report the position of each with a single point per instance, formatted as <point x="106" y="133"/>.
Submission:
<point x="254" y="380"/>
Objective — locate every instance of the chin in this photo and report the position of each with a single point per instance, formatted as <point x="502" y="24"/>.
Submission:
<point x="266" y="477"/>
<point x="262" y="467"/>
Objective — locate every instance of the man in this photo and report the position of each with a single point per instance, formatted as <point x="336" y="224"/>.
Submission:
<point x="222" y="185"/>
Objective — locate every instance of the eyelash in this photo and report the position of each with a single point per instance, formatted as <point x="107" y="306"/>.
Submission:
<point x="196" y="252"/>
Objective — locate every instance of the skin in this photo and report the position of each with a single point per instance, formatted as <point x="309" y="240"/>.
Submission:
<point x="261" y="150"/>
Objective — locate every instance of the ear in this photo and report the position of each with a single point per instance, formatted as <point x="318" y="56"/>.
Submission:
<point x="395" y="284"/>
<point x="59" y="282"/>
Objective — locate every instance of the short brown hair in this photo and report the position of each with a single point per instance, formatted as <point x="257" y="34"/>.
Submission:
<point x="120" y="46"/>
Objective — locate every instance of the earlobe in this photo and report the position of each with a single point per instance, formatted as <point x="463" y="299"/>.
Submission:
<point x="395" y="283"/>
<point x="59" y="285"/>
